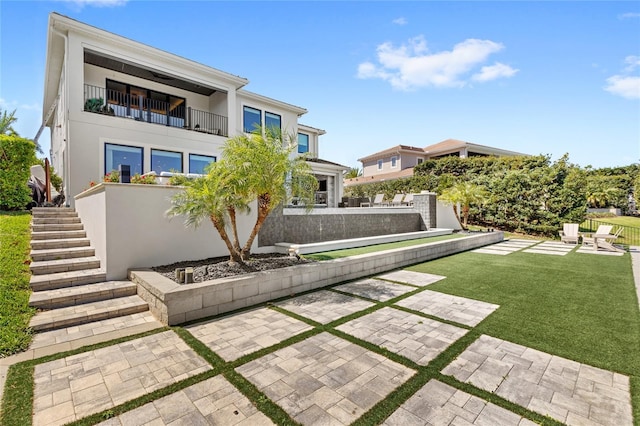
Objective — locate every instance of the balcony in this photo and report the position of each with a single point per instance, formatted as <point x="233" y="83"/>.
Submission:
<point x="116" y="103"/>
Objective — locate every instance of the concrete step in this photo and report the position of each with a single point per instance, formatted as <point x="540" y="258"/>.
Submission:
<point x="70" y="338"/>
<point x="62" y="253"/>
<point x="48" y="227"/>
<point x="88" y="312"/>
<point x="59" y="243"/>
<point x="54" y="219"/>
<point x="70" y="296"/>
<point x="55" y="211"/>
<point x="56" y="235"/>
<point x="67" y="279"/>
<point x="64" y="265"/>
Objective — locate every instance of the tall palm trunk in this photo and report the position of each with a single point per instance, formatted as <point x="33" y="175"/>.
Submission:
<point x="264" y="208"/>
<point x="234" y="228"/>
<point x="235" y="255"/>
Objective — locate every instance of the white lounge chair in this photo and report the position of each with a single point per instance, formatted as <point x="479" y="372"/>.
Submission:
<point x="408" y="199"/>
<point x="397" y="200"/>
<point x="589" y="239"/>
<point x="379" y="201"/>
<point x="569" y="233"/>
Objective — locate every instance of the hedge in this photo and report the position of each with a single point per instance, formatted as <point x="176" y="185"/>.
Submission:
<point x="16" y="156"/>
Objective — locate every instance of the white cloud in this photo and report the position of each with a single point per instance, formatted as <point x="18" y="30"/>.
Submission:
<point x="400" y="21"/>
<point x="411" y="65"/>
<point x="624" y="84"/>
<point x="494" y="71"/>
<point x="629" y="15"/>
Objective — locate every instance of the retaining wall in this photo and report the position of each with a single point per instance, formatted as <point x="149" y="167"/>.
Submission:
<point x="174" y="303"/>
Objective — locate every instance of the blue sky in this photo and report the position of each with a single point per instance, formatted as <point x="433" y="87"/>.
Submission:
<point x="534" y="77"/>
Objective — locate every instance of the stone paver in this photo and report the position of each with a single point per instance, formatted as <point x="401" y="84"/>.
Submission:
<point x="325" y="379"/>
<point x="412" y="336"/>
<point x="74" y="387"/>
<point x="93" y="328"/>
<point x="374" y="289"/>
<point x="212" y="402"/>
<point x="452" y="308"/>
<point x="441" y="404"/>
<point x="566" y="390"/>
<point x="241" y="334"/>
<point x="419" y="279"/>
<point x="590" y="250"/>
<point x="552" y="248"/>
<point x="506" y="247"/>
<point x="324" y="306"/>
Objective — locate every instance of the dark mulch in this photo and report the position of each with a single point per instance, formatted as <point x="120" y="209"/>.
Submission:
<point x="220" y="267"/>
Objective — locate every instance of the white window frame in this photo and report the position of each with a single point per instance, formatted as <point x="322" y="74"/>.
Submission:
<point x="394" y="162"/>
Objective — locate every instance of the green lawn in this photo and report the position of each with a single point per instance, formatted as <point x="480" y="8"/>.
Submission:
<point x="14" y="283"/>
<point x="622" y="220"/>
<point x="631" y="228"/>
<point x="328" y="255"/>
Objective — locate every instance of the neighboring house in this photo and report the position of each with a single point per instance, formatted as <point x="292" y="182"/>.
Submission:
<point x="399" y="161"/>
<point x="109" y="101"/>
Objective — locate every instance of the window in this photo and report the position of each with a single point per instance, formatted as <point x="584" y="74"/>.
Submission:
<point x="198" y="163"/>
<point x="379" y="164"/>
<point x="420" y="160"/>
<point x="303" y="143"/>
<point x="166" y="161"/>
<point x="272" y="121"/>
<point x="125" y="99"/>
<point x="115" y="155"/>
<point x="394" y="162"/>
<point x="251" y="118"/>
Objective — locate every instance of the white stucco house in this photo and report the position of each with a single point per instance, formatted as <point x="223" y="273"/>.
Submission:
<point x="109" y="100"/>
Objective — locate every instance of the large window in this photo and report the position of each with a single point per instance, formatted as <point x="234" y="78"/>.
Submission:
<point x="251" y="118"/>
<point x="272" y="121"/>
<point x="166" y="161"/>
<point x="198" y="163"/>
<point x="164" y="108"/>
<point x="394" y="162"/>
<point x="303" y="143"/>
<point x="379" y="164"/>
<point x="115" y="155"/>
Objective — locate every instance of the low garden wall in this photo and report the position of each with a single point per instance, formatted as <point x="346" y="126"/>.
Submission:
<point x="174" y="303"/>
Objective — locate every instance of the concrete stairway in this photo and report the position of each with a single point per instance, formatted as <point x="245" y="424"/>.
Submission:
<point x="69" y="287"/>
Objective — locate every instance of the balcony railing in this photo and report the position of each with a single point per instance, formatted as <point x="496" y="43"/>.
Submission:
<point x="112" y="102"/>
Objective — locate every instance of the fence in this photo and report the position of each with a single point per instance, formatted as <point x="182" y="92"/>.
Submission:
<point x="630" y="236"/>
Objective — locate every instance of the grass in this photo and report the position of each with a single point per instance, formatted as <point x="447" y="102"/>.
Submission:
<point x="630" y="235"/>
<point x="621" y="220"/>
<point x="336" y="254"/>
<point x="15" y="313"/>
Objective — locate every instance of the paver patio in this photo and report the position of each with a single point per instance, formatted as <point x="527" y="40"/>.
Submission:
<point x="506" y="247"/>
<point x="412" y="336"/>
<point x="374" y="289"/>
<point x="419" y="279"/>
<point x="452" y="308"/>
<point x="566" y="390"/>
<point x="552" y="248"/>
<point x="79" y="385"/>
<point x="325" y="379"/>
<point x="324" y="306"/>
<point x="440" y="404"/>
<point x="210" y="402"/>
<point x="237" y="335"/>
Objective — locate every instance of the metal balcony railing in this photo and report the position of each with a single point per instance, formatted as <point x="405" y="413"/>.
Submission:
<point x="112" y="102"/>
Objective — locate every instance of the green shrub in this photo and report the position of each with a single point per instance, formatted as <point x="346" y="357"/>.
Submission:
<point x="178" y="180"/>
<point x="16" y="157"/>
<point x="145" y="180"/>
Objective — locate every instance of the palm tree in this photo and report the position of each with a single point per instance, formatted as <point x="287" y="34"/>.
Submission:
<point x="6" y="123"/>
<point x="353" y="173"/>
<point x="253" y="167"/>
<point x="465" y="194"/>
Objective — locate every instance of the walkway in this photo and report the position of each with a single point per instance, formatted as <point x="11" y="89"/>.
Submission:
<point x="313" y="358"/>
<point x="554" y="248"/>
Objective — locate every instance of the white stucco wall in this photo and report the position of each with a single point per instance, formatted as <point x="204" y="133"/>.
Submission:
<point x="128" y="228"/>
<point x="445" y="217"/>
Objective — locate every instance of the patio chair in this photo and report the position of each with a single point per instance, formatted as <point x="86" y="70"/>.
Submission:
<point x="569" y="233"/>
<point x="379" y="201"/>
<point x="397" y="200"/>
<point x="408" y="199"/>
<point x="588" y="239"/>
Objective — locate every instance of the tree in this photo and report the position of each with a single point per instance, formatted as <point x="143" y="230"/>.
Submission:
<point x="6" y="123"/>
<point x="256" y="167"/>
<point x="465" y="194"/>
<point x="353" y="173"/>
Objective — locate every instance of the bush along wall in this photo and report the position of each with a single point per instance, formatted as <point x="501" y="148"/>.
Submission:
<point x="16" y="157"/>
